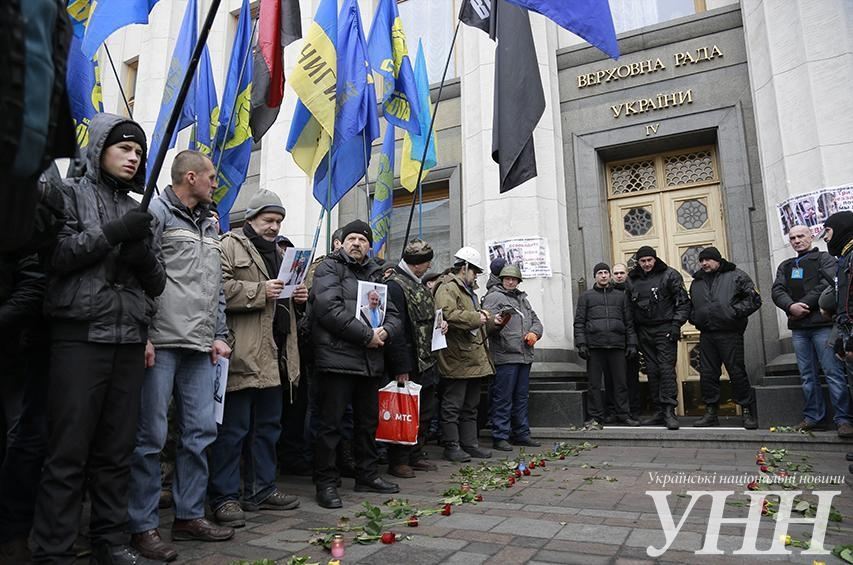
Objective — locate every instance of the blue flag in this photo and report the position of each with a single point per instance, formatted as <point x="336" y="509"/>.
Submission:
<point x="206" y="107"/>
<point x="383" y="197"/>
<point x="356" y="120"/>
<point x="78" y="13"/>
<point x="589" y="19"/>
<point x="413" y="145"/>
<point x="177" y="69"/>
<point x="83" y="75"/>
<point x="234" y="137"/>
<point x="389" y="57"/>
<point x="108" y="16"/>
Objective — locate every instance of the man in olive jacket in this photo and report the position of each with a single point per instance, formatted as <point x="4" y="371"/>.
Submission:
<point x="723" y="298"/>
<point x="349" y="363"/>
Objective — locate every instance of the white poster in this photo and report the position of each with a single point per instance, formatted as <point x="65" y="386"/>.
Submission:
<point x="813" y="208"/>
<point x="530" y="254"/>
<point x="294" y="268"/>
<point x="371" y="304"/>
<point x="439" y="341"/>
<point x="220" y="384"/>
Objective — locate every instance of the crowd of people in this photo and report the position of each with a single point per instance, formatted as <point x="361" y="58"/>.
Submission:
<point x="140" y="310"/>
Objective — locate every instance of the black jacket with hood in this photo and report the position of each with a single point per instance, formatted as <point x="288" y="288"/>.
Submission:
<point x="658" y="297"/>
<point x="723" y="300"/>
<point x="92" y="295"/>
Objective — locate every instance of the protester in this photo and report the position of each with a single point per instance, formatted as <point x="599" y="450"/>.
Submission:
<point x="605" y="337"/>
<point x="188" y="336"/>
<point x="723" y="297"/>
<point x="349" y="363"/>
<point x="660" y="307"/>
<point x="620" y="281"/>
<point x="410" y="356"/>
<point x="251" y="422"/>
<point x="105" y="274"/>
<point x="512" y="351"/>
<point x="430" y="279"/>
<point x="466" y="360"/>
<point x="796" y="291"/>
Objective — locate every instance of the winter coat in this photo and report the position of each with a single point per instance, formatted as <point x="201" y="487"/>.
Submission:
<point x="467" y="352"/>
<point x="254" y="359"/>
<point x="723" y="300"/>
<point x="411" y="350"/>
<point x="339" y="337"/>
<point x="191" y="311"/>
<point x="818" y="274"/>
<point x="658" y="297"/>
<point x="92" y="295"/>
<point x="22" y="284"/>
<point x="507" y="344"/>
<point x="604" y="319"/>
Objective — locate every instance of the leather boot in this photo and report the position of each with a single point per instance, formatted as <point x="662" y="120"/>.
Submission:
<point x="152" y="546"/>
<point x="670" y="421"/>
<point x="750" y="422"/>
<point x="656" y="419"/>
<point x="453" y="453"/>
<point x="709" y="419"/>
<point x="477" y="452"/>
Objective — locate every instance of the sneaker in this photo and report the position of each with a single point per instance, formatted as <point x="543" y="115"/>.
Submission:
<point x="501" y="445"/>
<point x="845" y="430"/>
<point x="276" y="501"/>
<point x="230" y="514"/>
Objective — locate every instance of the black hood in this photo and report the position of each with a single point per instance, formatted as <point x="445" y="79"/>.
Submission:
<point x="725" y="267"/>
<point x="637" y="272"/>
<point x="842" y="231"/>
<point x="99" y="129"/>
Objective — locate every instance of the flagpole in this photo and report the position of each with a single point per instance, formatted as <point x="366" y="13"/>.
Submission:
<point x="366" y="179"/>
<point x="118" y="82"/>
<point x="179" y="104"/>
<point x="429" y="133"/>
<point x="329" y="201"/>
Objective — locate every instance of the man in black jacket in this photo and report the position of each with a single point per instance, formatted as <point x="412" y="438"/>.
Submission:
<point x="723" y="297"/>
<point x="661" y="306"/>
<point x="410" y="355"/>
<point x="604" y="335"/>
<point x="349" y="360"/>
<point x="799" y="283"/>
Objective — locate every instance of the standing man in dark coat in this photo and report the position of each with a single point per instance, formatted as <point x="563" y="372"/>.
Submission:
<point x="349" y="360"/>
<point x="632" y="377"/>
<point x="661" y="306"/>
<point x="604" y="335"/>
<point x="723" y="297"/>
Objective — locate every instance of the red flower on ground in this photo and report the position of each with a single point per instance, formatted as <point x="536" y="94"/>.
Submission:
<point x="412" y="522"/>
<point x="526" y="472"/>
<point x="478" y="498"/>
<point x="446" y="511"/>
<point x="763" y="468"/>
<point x="518" y="473"/>
<point x="541" y="462"/>
<point x="389" y="537"/>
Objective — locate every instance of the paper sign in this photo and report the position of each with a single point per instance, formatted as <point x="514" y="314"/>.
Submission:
<point x="813" y="208"/>
<point x="371" y="304"/>
<point x="439" y="340"/>
<point x="294" y="268"/>
<point x="530" y="254"/>
<point x="220" y="383"/>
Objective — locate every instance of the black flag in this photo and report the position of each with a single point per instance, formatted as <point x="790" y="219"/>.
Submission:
<point x="476" y="13"/>
<point x="519" y="99"/>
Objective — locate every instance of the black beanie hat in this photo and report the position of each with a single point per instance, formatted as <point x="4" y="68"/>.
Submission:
<point x="711" y="253"/>
<point x="842" y="231"/>
<point x="127" y="131"/>
<point x="497" y="265"/>
<point x="646" y="251"/>
<point x="360" y="227"/>
<point x="600" y="267"/>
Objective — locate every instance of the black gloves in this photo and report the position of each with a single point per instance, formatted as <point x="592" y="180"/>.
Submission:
<point x="674" y="334"/>
<point x="134" y="225"/>
<point x="135" y="252"/>
<point x="583" y="352"/>
<point x="631" y="352"/>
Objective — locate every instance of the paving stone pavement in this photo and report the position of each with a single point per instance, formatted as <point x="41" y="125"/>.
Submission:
<point x="588" y="509"/>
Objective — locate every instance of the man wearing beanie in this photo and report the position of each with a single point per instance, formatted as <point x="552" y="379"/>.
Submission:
<point x="349" y="363"/>
<point x="723" y="298"/>
<point x="605" y="337"/>
<point x="106" y="272"/>
<point x="660" y="307"/>
<point x="797" y="289"/>
<point x="410" y="355"/>
<point x="265" y="356"/>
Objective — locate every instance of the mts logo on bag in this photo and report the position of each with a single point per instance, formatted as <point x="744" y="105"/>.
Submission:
<point x="399" y="409"/>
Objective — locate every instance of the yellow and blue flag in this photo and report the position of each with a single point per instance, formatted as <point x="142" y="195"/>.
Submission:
<point x="83" y="75"/>
<point x="206" y="107"/>
<point x="383" y="196"/>
<point x="315" y="82"/>
<point x="413" y="145"/>
<point x="187" y="37"/>
<point x="389" y="58"/>
<point x="107" y="16"/>
<point x="356" y="119"/>
<point x="233" y="147"/>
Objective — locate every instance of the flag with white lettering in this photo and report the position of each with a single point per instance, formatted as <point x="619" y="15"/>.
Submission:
<point x="476" y="13"/>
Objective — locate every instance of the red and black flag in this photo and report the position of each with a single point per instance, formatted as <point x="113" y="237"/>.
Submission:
<point x="279" y="25"/>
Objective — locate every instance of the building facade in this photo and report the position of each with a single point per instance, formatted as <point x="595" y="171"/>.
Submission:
<point x="716" y="112"/>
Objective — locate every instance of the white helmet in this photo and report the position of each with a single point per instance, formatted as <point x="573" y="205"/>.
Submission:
<point x="471" y="256"/>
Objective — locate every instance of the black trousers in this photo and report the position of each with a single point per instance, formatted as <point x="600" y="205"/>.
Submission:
<point x="715" y="350"/>
<point x="93" y="407"/>
<point x="408" y="454"/>
<point x="606" y="365"/>
<point x="459" y="401"/>
<point x="334" y="392"/>
<point x="292" y="445"/>
<point x="660" y="354"/>
<point x="632" y="377"/>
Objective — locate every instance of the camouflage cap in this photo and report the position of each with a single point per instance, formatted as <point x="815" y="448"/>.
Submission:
<point x="511" y="271"/>
<point x="417" y="252"/>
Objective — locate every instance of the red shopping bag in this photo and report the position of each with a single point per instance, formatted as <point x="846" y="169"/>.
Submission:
<point x="399" y="409"/>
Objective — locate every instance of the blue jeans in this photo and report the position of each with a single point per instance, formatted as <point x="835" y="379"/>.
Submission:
<point x="189" y="375"/>
<point x="509" y="393"/>
<point x="811" y="347"/>
<point x="250" y="426"/>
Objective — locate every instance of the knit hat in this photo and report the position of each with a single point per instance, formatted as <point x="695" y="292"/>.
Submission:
<point x="646" y="251"/>
<point x="600" y="267"/>
<point x="711" y="253"/>
<point x="264" y="201"/>
<point x="359" y="227"/>
<point x="127" y="131"/>
<point x="497" y="265"/>
<point x="418" y="252"/>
